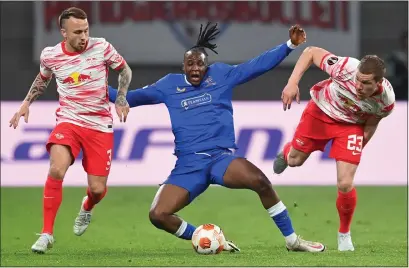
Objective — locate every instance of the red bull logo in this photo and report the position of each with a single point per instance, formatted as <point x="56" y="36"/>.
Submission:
<point x="76" y="78"/>
<point x="349" y="104"/>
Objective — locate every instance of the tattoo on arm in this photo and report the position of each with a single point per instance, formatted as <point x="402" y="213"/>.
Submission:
<point x="124" y="79"/>
<point x="37" y="88"/>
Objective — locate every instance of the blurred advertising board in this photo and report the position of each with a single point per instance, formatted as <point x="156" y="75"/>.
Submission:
<point x="143" y="153"/>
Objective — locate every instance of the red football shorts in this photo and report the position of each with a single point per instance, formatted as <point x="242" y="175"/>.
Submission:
<point x="96" y="146"/>
<point x="316" y="129"/>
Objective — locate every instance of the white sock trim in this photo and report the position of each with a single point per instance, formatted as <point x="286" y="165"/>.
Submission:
<point x="182" y="229"/>
<point x="291" y="239"/>
<point x="276" y="209"/>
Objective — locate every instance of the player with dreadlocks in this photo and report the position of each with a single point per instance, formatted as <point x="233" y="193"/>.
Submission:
<point x="200" y="107"/>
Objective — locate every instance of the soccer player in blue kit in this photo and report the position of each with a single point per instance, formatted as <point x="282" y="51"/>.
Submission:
<point x="200" y="107"/>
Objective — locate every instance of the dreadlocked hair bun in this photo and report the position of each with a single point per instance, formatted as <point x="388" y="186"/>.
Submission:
<point x="205" y="36"/>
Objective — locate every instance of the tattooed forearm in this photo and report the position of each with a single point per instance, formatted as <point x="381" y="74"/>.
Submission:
<point x="37" y="88"/>
<point x="124" y="79"/>
<point x="125" y="76"/>
<point x="121" y="99"/>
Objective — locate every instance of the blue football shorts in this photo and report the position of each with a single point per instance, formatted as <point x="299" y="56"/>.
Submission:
<point x="196" y="171"/>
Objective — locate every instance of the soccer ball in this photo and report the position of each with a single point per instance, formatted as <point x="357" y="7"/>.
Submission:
<point x="208" y="239"/>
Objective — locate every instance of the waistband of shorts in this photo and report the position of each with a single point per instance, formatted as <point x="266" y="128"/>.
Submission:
<point x="208" y="152"/>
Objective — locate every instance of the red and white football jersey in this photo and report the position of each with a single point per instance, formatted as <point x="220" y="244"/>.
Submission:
<point x="337" y="97"/>
<point x="82" y="81"/>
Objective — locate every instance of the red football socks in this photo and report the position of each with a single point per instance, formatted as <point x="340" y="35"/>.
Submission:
<point x="92" y="200"/>
<point x="51" y="203"/>
<point x="346" y="203"/>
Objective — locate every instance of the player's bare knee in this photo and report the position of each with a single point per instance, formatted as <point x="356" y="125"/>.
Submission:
<point x="345" y="185"/>
<point x="97" y="184"/>
<point x="345" y="176"/>
<point x="60" y="160"/>
<point x="57" y="171"/>
<point x="157" y="217"/>
<point x="97" y="188"/>
<point x="296" y="158"/>
<point x="261" y="184"/>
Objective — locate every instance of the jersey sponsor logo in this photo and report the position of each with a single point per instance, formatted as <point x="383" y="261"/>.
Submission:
<point x="194" y="102"/>
<point x="348" y="103"/>
<point x="76" y="78"/>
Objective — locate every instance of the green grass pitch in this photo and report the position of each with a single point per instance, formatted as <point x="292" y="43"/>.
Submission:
<point x="120" y="233"/>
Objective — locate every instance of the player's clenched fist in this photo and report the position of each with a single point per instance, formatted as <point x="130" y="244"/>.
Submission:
<point x="297" y="35"/>
<point x="290" y="92"/>
<point x="121" y="106"/>
<point x="23" y="111"/>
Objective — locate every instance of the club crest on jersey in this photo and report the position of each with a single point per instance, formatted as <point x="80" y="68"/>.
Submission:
<point x="209" y="82"/>
<point x="93" y="61"/>
<point x="194" y="102"/>
<point x="186" y="31"/>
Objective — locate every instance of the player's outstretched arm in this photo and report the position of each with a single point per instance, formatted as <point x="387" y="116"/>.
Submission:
<point x="309" y="56"/>
<point x="268" y="60"/>
<point x="142" y="96"/>
<point x="37" y="88"/>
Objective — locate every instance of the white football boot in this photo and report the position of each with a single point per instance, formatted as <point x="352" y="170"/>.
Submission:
<point x="44" y="242"/>
<point x="345" y="242"/>
<point x="82" y="220"/>
<point x="305" y="246"/>
<point x="230" y="246"/>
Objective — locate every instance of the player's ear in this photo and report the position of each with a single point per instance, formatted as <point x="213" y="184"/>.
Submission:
<point x="63" y="33"/>
<point x="183" y="67"/>
<point x="379" y="83"/>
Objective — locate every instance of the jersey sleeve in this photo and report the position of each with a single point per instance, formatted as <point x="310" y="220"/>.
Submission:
<point x="148" y="95"/>
<point x="45" y="70"/>
<point x="246" y="71"/>
<point x="112" y="58"/>
<point x="338" y="67"/>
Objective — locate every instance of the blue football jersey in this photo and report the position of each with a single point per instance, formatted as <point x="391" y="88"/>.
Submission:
<point x="202" y="116"/>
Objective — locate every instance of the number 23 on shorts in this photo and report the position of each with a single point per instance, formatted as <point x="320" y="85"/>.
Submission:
<point x="355" y="143"/>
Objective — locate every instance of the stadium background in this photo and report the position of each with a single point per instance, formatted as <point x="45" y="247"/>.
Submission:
<point x="153" y="48"/>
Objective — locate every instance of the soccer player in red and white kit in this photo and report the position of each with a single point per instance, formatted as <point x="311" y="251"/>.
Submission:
<point x="345" y="109"/>
<point x="84" y="121"/>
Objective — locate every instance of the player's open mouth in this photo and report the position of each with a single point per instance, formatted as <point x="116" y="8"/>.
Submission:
<point x="195" y="77"/>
